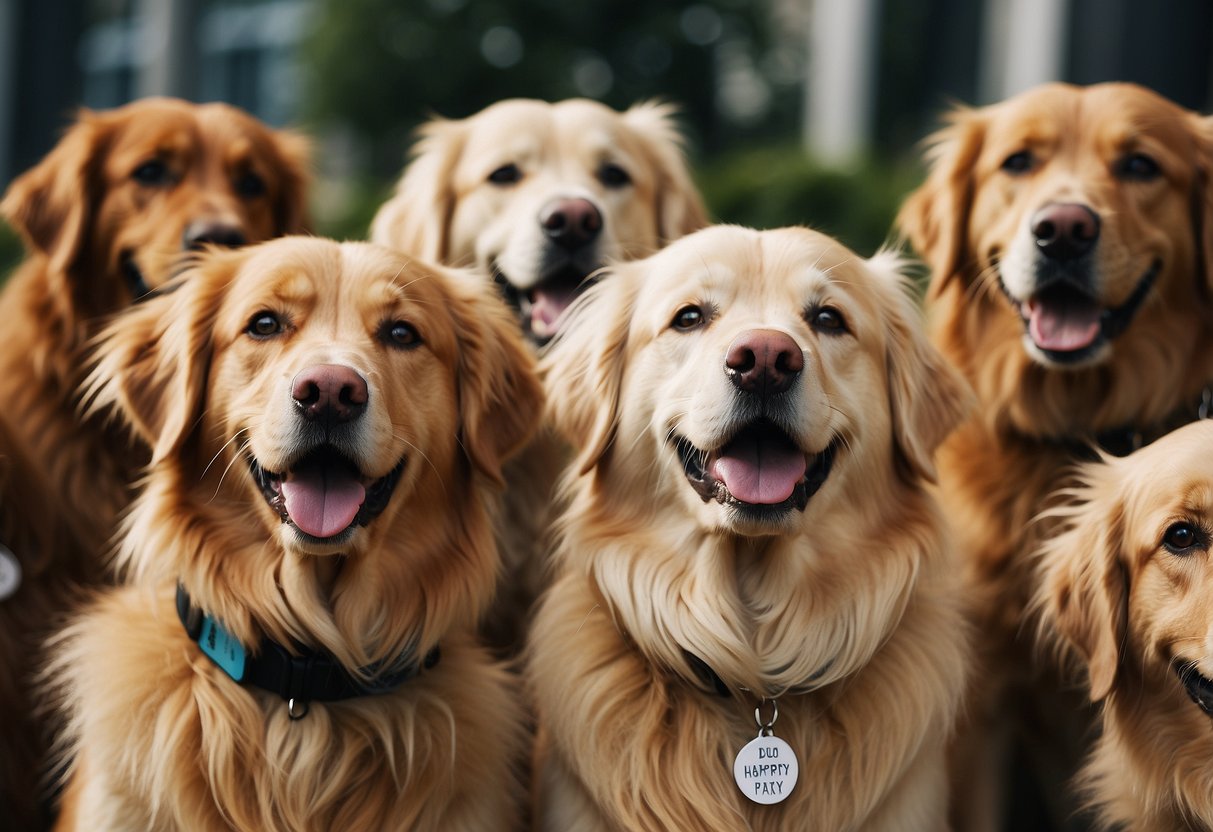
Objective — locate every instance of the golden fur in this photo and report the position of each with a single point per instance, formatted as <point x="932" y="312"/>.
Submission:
<point x="447" y="208"/>
<point x="991" y="170"/>
<point x="844" y="611"/>
<point x="161" y="737"/>
<point x="47" y="550"/>
<point x="1137" y="609"/>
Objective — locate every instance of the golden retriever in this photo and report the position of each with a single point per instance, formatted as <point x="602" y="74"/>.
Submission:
<point x="755" y="415"/>
<point x="38" y="555"/>
<point x="105" y="216"/>
<point x="326" y="420"/>
<point x="1127" y="585"/>
<point x="1068" y="234"/>
<point x="540" y="196"/>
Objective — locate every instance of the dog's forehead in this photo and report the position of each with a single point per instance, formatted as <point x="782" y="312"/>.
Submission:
<point x="531" y="131"/>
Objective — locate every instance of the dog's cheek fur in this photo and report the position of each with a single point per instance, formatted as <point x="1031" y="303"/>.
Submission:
<point x="583" y="369"/>
<point x="500" y="397"/>
<point x="1083" y="588"/>
<point x="151" y="363"/>
<point x="935" y="217"/>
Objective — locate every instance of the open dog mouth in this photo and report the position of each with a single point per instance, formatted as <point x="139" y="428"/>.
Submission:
<point x="760" y="469"/>
<point x="323" y="494"/>
<point x="541" y="307"/>
<point x="1068" y="325"/>
<point x="1199" y="688"/>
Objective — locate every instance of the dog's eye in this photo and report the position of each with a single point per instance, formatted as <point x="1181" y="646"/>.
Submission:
<point x="1181" y="538"/>
<point x="506" y="175"/>
<point x="249" y="185"/>
<point x="1020" y="162"/>
<point x="401" y="335"/>
<point x="1138" y="166"/>
<point x="152" y="172"/>
<point x="827" y="319"/>
<point x="264" y="325"/>
<point x="613" y="176"/>
<point x="688" y="318"/>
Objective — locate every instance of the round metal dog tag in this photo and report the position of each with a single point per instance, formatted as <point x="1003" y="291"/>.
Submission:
<point x="766" y="770"/>
<point x="10" y="574"/>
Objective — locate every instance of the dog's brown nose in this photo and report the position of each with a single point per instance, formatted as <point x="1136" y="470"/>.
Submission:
<point x="204" y="232"/>
<point x="764" y="362"/>
<point x="330" y="393"/>
<point x="571" y="223"/>
<point x="1065" y="230"/>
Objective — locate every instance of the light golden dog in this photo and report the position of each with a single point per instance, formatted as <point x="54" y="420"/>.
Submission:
<point x="1068" y="234"/>
<point x="326" y="420"/>
<point x="1126" y="585"/>
<point x="105" y="217"/>
<point x="540" y="196"/>
<point x="748" y="520"/>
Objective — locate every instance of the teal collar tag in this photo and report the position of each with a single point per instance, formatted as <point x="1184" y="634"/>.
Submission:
<point x="222" y="647"/>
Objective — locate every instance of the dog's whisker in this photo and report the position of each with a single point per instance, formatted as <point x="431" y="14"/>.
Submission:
<point x="234" y="437"/>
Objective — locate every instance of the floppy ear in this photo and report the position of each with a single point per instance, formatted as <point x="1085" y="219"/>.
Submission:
<point x="935" y="217"/>
<point x="927" y="396"/>
<point x="51" y="204"/>
<point x="417" y="218"/>
<point x="500" y="397"/>
<point x="294" y="166"/>
<point x="583" y="368"/>
<point x="1084" y="585"/>
<point x="679" y="206"/>
<point x="151" y="361"/>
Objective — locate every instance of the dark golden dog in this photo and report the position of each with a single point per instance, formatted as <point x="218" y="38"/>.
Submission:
<point x="326" y="421"/>
<point x="1068" y="232"/>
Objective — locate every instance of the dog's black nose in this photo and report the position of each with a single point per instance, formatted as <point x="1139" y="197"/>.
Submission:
<point x="204" y="232"/>
<point x="330" y="393"/>
<point x="571" y="223"/>
<point x="1065" y="230"/>
<point x="763" y="362"/>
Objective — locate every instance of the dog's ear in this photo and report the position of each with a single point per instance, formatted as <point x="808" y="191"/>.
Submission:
<point x="294" y="154"/>
<point x="416" y="220"/>
<point x="52" y="204"/>
<point x="1083" y="587"/>
<point x="680" y="208"/>
<point x="583" y="368"/>
<point x="927" y="396"/>
<point x="935" y="217"/>
<point x="151" y="361"/>
<point x="500" y="397"/>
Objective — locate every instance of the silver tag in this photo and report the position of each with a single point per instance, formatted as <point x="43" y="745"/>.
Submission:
<point x="766" y="770"/>
<point x="10" y="574"/>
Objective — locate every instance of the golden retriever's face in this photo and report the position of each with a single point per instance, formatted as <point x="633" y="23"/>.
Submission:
<point x="741" y="372"/>
<point x="1130" y="579"/>
<point x="542" y="195"/>
<point x="128" y="190"/>
<point x="1079" y="211"/>
<point x="332" y="382"/>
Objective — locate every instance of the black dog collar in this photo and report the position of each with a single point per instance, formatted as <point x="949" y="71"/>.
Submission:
<point x="299" y="677"/>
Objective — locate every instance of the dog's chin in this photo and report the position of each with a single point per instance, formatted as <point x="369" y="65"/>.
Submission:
<point x="322" y="500"/>
<point x="1065" y="327"/>
<point x="760" y="478"/>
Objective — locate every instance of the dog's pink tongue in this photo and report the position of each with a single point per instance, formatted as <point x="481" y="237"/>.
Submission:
<point x="1063" y="325"/>
<point x="760" y="469"/>
<point x="546" y="308"/>
<point x="322" y="502"/>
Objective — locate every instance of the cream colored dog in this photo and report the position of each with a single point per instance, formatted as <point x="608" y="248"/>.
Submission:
<point x="749" y="520"/>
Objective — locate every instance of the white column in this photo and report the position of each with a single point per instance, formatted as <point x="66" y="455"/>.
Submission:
<point x="1023" y="45"/>
<point x="840" y="86"/>
<point x="168" y="34"/>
